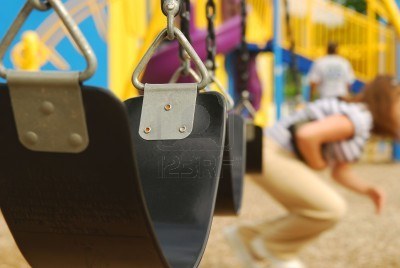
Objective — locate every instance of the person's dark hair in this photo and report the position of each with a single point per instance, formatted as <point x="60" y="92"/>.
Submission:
<point x="382" y="96"/>
<point x="332" y="48"/>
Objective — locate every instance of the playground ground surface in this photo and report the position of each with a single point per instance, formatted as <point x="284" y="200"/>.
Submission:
<point x="361" y="240"/>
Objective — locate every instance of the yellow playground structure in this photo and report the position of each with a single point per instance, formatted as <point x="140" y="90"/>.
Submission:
<point x="367" y="42"/>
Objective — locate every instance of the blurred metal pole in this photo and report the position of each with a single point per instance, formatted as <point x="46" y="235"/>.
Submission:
<point x="278" y="59"/>
<point x="396" y="145"/>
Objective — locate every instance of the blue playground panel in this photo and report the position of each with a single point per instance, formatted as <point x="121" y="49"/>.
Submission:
<point x="396" y="145"/>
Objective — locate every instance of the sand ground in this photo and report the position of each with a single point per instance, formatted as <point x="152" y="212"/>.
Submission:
<point x="361" y="240"/>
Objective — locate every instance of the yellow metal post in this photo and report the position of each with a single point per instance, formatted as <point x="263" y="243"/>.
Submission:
<point x="394" y="14"/>
<point x="370" y="37"/>
<point x="309" y="25"/>
<point x="127" y="26"/>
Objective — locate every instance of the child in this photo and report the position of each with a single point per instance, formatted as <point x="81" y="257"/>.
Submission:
<point x="327" y="133"/>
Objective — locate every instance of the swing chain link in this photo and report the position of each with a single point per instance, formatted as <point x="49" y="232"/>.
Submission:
<point x="188" y="53"/>
<point x="244" y="56"/>
<point x="171" y="9"/>
<point x="40" y="5"/>
<point x="210" y="41"/>
<point x="185" y="28"/>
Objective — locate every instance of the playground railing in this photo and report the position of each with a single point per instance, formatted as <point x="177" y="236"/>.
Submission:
<point x="368" y="44"/>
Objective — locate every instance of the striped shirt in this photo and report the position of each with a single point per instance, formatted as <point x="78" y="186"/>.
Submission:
<point x="342" y="151"/>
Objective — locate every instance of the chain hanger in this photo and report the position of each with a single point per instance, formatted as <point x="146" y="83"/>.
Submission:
<point x="211" y="46"/>
<point x="211" y="41"/>
<point x="171" y="8"/>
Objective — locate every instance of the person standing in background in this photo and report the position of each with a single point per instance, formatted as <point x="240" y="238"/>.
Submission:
<point x="331" y="76"/>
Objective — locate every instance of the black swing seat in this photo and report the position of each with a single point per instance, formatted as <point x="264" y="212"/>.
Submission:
<point x="254" y="157"/>
<point x="230" y="190"/>
<point x="124" y="201"/>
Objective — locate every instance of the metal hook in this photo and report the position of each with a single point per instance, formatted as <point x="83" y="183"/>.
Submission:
<point x="70" y="24"/>
<point x="182" y="70"/>
<point x="246" y="104"/>
<point x="40" y="5"/>
<point x="229" y="101"/>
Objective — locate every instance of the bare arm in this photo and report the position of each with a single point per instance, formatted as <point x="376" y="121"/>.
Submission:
<point x="343" y="174"/>
<point x="311" y="136"/>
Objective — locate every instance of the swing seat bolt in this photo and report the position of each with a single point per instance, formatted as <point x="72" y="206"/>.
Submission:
<point x="182" y="129"/>
<point x="147" y="130"/>
<point x="168" y="107"/>
<point x="31" y="137"/>
<point x="75" y="140"/>
<point x="47" y="108"/>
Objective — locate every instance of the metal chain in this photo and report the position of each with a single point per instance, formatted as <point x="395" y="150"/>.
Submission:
<point x="289" y="32"/>
<point x="244" y="56"/>
<point x="210" y="41"/>
<point x="211" y="46"/>
<point x="185" y="25"/>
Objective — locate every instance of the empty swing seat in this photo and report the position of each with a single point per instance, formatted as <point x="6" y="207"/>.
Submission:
<point x="93" y="209"/>
<point x="230" y="189"/>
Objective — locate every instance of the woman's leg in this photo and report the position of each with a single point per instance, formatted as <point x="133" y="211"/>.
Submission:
<point x="313" y="205"/>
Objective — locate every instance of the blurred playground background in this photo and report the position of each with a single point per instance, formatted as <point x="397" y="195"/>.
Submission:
<point x="120" y="31"/>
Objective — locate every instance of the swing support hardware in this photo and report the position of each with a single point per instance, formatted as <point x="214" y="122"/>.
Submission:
<point x="171" y="9"/>
<point x="211" y="46"/>
<point x="163" y="122"/>
<point x="185" y="69"/>
<point x="167" y="124"/>
<point x="230" y="103"/>
<point x="69" y="23"/>
<point x="39" y="98"/>
<point x="39" y="101"/>
<point x="246" y="104"/>
<point x="186" y="45"/>
<point x="40" y="5"/>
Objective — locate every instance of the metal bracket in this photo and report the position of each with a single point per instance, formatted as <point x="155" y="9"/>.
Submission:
<point x="250" y="130"/>
<point x="48" y="111"/>
<point x="168" y="111"/>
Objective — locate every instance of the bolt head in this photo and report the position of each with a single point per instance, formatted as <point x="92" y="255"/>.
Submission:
<point x="147" y="130"/>
<point x="168" y="107"/>
<point x="31" y="137"/>
<point x="75" y="140"/>
<point x="182" y="129"/>
<point x="47" y="108"/>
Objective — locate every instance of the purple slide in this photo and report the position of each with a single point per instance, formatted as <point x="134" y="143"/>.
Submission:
<point x="254" y="84"/>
